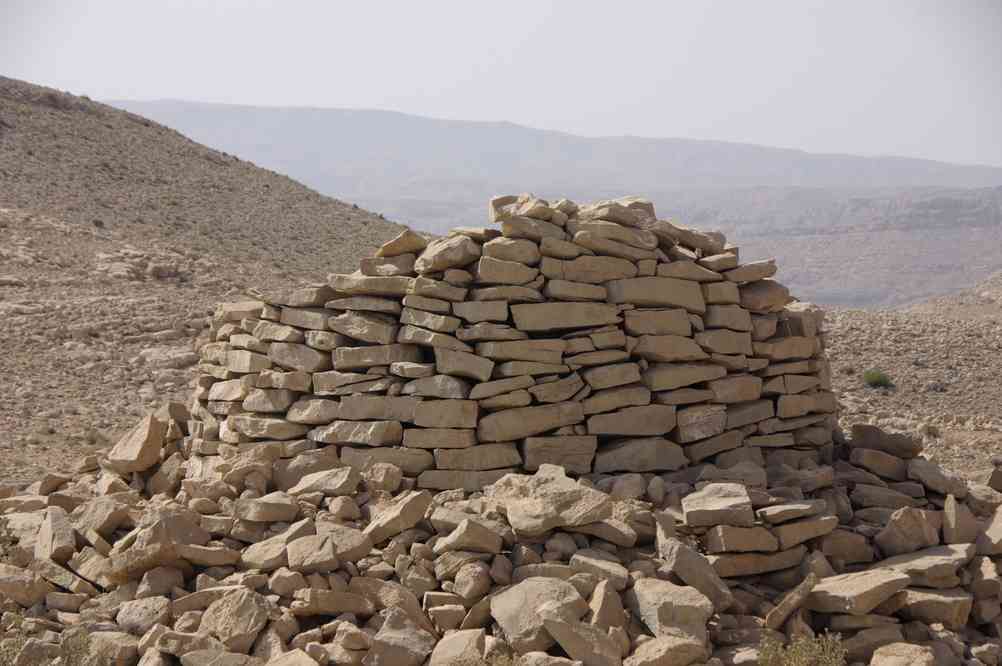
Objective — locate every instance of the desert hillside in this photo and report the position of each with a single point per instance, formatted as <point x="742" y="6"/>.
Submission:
<point x="879" y="223"/>
<point x="117" y="237"/>
<point x="944" y="358"/>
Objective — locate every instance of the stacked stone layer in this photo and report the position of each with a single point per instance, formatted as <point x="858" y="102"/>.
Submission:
<point x="284" y="518"/>
<point x="597" y="338"/>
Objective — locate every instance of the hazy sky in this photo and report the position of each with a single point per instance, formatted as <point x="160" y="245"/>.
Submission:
<point x="907" y="77"/>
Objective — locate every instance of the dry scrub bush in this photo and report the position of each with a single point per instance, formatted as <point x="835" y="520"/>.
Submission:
<point x="823" y="650"/>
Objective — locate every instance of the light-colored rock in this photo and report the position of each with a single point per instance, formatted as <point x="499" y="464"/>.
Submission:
<point x="658" y="292"/>
<point x="236" y="619"/>
<point x="670" y="610"/>
<point x="405" y="511"/>
<point x="524" y="422"/>
<point x="139" y="449"/>
<point x="718" y="503"/>
<point x="548" y="499"/>
<point x="517" y="611"/>
<point x="855" y="593"/>
<point x="640" y="455"/>
<point x="532" y="317"/>
<point x="443" y="253"/>
<point x="406" y="242"/>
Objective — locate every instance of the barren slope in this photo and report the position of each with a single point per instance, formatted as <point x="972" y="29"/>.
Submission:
<point x="945" y="359"/>
<point x="116" y="236"/>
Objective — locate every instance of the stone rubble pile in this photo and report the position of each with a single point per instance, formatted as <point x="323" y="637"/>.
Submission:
<point x="349" y="486"/>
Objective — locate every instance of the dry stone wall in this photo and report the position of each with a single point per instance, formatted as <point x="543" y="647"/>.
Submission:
<point x="594" y="337"/>
<point x="284" y="518"/>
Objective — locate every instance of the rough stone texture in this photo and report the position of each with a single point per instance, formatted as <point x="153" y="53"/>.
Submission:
<point x="346" y="484"/>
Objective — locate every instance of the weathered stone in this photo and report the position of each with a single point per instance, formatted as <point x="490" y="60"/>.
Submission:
<point x="732" y="565"/>
<point x="640" y="455"/>
<point x="22" y="586"/>
<point x="517" y="611"/>
<point x="299" y="357"/>
<point x="736" y="388"/>
<point x="531" y="317"/>
<point x="699" y="422"/>
<point x="366" y="326"/>
<point x="271" y="508"/>
<point x="368" y="433"/>
<point x="718" y="503"/>
<point x="583" y="642"/>
<point x="513" y="249"/>
<point x="55" y="539"/>
<point x="411" y="461"/>
<point x="668" y="609"/>
<point x="790" y="602"/>
<point x="491" y="270"/>
<point x="693" y="569"/>
<point x="798" y="531"/>
<point x="447" y="414"/>
<point x="429" y="320"/>
<point x="438" y="386"/>
<point x="524" y="422"/>
<point x="731" y="539"/>
<point x="573" y="453"/>
<point x="480" y="311"/>
<point x="236" y="619"/>
<point x="657" y="322"/>
<point x="668" y="349"/>
<point x="666" y="376"/>
<point x="658" y="292"/>
<point x="406" y="242"/>
<point x="764" y="296"/>
<point x="948" y="607"/>
<point x="260" y="427"/>
<point x="668" y="651"/>
<point x="855" y="593"/>
<point x="897" y="444"/>
<point x="565" y="290"/>
<point x="903" y="654"/>
<point x="733" y="317"/>
<point x="139" y="449"/>
<point x="449" y="252"/>
<point x="634" y="421"/>
<point x="401" y="264"/>
<point x="590" y="270"/>
<point x="349" y="358"/>
<point x="907" y="530"/>
<point x="405" y="511"/>
<point x="477" y="458"/>
<point x="557" y="391"/>
<point x="547" y="500"/>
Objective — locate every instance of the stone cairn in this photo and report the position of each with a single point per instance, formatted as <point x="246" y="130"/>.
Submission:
<point x="587" y="437"/>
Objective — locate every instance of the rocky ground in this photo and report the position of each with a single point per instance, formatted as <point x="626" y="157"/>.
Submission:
<point x="943" y="357"/>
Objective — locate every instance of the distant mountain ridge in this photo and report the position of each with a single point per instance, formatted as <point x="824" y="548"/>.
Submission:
<point x="436" y="174"/>
<point x="418" y="144"/>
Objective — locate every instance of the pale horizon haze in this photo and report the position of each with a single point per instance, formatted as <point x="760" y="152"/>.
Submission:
<point x="910" y="78"/>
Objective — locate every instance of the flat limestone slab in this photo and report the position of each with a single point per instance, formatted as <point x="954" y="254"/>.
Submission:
<point x="512" y="424"/>
<point x="531" y="317"/>
<point x="856" y="593"/>
<point x="732" y="565"/>
<point x="658" y="292"/>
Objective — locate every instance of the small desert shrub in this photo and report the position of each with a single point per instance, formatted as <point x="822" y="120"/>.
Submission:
<point x="823" y="650"/>
<point x="10" y="647"/>
<point x="877" y="379"/>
